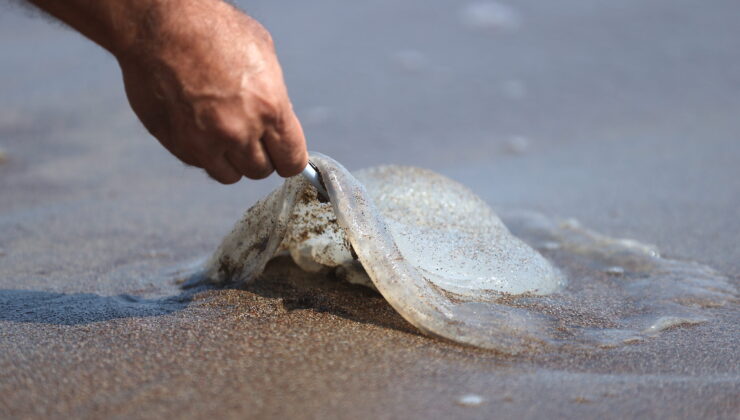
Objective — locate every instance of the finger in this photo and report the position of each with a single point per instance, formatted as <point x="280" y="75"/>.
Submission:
<point x="286" y="145"/>
<point x="176" y="149"/>
<point x="251" y="160"/>
<point x="222" y="171"/>
<point x="159" y="126"/>
<point x="157" y="121"/>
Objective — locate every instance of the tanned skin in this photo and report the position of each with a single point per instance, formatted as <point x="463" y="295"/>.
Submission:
<point x="202" y="77"/>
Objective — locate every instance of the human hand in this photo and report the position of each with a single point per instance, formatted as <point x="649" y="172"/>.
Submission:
<point x="204" y="80"/>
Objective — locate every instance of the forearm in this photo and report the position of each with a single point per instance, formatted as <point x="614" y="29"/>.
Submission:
<point x="113" y="24"/>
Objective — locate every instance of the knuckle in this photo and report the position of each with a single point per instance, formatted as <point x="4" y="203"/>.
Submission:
<point x="270" y="111"/>
<point x="259" y="172"/>
<point x="260" y="32"/>
<point x="230" y="129"/>
<point x="189" y="160"/>
<point x="269" y="40"/>
<point x="223" y="178"/>
<point x="265" y="35"/>
<point x="224" y="125"/>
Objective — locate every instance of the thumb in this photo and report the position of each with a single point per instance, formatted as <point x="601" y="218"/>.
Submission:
<point x="286" y="145"/>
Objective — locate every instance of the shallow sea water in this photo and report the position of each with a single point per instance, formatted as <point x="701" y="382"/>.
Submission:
<point x="444" y="261"/>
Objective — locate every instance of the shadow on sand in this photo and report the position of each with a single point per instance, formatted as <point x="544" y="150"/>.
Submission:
<point x="283" y="283"/>
<point x="81" y="308"/>
<point x="323" y="292"/>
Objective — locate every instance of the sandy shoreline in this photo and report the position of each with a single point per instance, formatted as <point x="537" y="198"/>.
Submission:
<point x="303" y="347"/>
<point x="95" y="217"/>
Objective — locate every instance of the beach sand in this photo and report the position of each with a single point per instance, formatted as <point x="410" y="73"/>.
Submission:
<point x="623" y="116"/>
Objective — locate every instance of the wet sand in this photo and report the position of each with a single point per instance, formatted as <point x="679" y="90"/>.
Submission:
<point x="629" y="113"/>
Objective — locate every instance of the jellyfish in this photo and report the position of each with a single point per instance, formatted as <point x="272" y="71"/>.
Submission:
<point x="429" y="245"/>
<point x="444" y="260"/>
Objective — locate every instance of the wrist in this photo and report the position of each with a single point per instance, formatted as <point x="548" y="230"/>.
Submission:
<point x="147" y="27"/>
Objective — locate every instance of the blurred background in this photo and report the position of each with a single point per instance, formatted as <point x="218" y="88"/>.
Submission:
<point x="624" y="115"/>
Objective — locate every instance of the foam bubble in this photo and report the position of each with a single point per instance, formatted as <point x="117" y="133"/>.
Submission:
<point x="667" y="322"/>
<point x="518" y="145"/>
<point x="490" y="16"/>
<point x="470" y="400"/>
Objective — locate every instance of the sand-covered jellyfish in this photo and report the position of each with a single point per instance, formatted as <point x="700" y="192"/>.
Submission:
<point x="431" y="247"/>
<point x="445" y="261"/>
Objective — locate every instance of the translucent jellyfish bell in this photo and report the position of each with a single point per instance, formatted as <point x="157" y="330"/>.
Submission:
<point x="430" y="246"/>
<point x="453" y="238"/>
